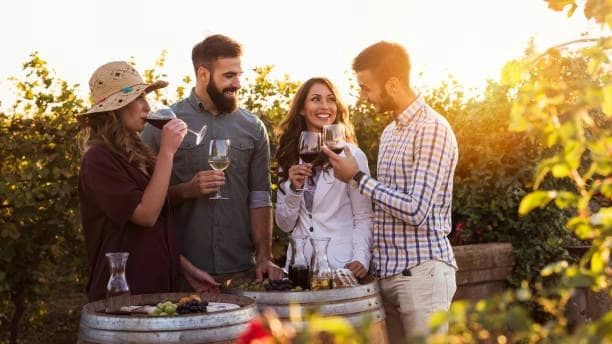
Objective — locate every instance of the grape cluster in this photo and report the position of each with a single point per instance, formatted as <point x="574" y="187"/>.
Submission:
<point x="193" y="306"/>
<point x="252" y="286"/>
<point x="284" y="284"/>
<point x="166" y="308"/>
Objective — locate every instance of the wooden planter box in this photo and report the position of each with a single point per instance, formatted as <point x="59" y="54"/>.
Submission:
<point x="483" y="269"/>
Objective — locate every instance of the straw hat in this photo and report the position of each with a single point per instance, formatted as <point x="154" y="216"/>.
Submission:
<point x="116" y="84"/>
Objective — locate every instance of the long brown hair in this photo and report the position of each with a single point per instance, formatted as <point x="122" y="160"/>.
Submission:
<point x="106" y="128"/>
<point x="294" y="123"/>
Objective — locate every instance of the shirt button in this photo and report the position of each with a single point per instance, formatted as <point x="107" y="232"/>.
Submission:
<point x="311" y="229"/>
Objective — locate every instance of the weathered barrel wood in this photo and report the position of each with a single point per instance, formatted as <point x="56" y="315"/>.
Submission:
<point x="353" y="304"/>
<point x="218" y="327"/>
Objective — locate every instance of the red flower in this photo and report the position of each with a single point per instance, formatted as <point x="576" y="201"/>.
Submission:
<point x="459" y="227"/>
<point x="255" y="330"/>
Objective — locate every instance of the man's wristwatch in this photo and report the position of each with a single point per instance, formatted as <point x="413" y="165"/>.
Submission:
<point x="354" y="182"/>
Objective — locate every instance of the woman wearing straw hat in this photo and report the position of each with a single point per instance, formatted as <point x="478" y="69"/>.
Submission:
<point x="123" y="187"/>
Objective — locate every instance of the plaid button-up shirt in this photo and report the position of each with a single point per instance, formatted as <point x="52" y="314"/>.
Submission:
<point x="413" y="194"/>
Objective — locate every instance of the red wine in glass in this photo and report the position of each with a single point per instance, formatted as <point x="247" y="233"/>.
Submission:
<point x="309" y="147"/>
<point x="334" y="137"/>
<point x="337" y="149"/>
<point x="308" y="157"/>
<point x="300" y="276"/>
<point x="161" y="114"/>
<point x="158" y="122"/>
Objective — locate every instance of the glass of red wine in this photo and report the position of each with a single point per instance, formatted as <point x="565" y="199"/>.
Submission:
<point x="309" y="148"/>
<point x="161" y="114"/>
<point x="334" y="137"/>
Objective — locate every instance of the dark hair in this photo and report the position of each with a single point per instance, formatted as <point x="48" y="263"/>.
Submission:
<point x="212" y="48"/>
<point x="293" y="124"/>
<point x="385" y="60"/>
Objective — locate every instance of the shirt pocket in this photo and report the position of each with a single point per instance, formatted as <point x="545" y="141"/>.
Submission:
<point x="188" y="160"/>
<point x="241" y="153"/>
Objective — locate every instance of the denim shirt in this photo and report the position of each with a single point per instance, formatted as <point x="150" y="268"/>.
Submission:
<point x="215" y="235"/>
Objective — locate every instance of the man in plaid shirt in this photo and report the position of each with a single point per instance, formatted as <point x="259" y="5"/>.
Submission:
<point x="412" y="197"/>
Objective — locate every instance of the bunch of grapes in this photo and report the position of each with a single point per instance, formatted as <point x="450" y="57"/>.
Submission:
<point x="165" y="309"/>
<point x="284" y="284"/>
<point x="193" y="306"/>
<point x="252" y="286"/>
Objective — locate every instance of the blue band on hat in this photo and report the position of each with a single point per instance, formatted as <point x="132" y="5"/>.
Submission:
<point x="127" y="89"/>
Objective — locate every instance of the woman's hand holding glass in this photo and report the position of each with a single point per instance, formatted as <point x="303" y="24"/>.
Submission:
<point x="172" y="135"/>
<point x="298" y="175"/>
<point x="160" y="114"/>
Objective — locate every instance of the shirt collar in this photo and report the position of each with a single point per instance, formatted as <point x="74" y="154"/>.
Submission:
<point x="411" y="112"/>
<point x="195" y="101"/>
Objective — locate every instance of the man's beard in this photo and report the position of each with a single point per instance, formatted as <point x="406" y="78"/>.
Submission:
<point x="386" y="102"/>
<point x="222" y="103"/>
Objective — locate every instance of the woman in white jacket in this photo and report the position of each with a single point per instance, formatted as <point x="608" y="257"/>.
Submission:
<point x="334" y="209"/>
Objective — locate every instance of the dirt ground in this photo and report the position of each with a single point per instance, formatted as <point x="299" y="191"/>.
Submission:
<point x="61" y="323"/>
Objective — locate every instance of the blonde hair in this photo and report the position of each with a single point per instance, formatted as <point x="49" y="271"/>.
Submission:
<point x="106" y="128"/>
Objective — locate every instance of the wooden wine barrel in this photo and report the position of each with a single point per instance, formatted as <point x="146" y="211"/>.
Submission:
<point x="354" y="304"/>
<point x="218" y="327"/>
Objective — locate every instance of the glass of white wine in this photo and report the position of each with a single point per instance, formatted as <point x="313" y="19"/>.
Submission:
<point x="219" y="159"/>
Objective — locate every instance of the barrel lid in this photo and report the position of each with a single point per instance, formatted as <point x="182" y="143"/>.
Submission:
<point x="309" y="296"/>
<point x="93" y="316"/>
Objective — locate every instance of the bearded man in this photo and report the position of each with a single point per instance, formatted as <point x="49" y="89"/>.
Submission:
<point x="229" y="238"/>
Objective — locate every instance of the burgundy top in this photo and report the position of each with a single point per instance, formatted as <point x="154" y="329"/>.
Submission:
<point x="109" y="192"/>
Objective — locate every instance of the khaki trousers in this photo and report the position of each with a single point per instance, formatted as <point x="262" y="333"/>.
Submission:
<point x="409" y="301"/>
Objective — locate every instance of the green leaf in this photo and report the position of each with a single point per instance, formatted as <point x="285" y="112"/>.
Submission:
<point x="599" y="259"/>
<point x="554" y="268"/>
<point x="578" y="279"/>
<point x="438" y="319"/>
<point x="606" y="188"/>
<point x="559" y="5"/>
<point x="565" y="199"/>
<point x="513" y="73"/>
<point x="535" y="199"/>
<point x="606" y="105"/>
<point x="561" y="170"/>
<point x="573" y="154"/>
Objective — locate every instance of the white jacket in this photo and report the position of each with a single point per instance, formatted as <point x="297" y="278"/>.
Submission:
<point x="338" y="211"/>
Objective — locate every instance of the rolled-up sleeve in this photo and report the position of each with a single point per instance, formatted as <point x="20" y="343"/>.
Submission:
<point x="259" y="171"/>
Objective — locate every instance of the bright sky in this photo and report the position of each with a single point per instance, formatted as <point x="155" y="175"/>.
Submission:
<point x="469" y="39"/>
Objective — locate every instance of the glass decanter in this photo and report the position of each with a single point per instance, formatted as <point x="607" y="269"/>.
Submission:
<point x="322" y="276"/>
<point x="299" y="272"/>
<point x="117" y="289"/>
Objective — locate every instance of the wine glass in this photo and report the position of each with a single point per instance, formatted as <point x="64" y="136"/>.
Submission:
<point x="334" y="137"/>
<point x="161" y="114"/>
<point x="219" y="159"/>
<point x="309" y="148"/>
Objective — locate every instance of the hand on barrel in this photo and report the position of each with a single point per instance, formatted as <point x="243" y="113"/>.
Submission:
<point x="202" y="282"/>
<point x="266" y="266"/>
<point x="198" y="279"/>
